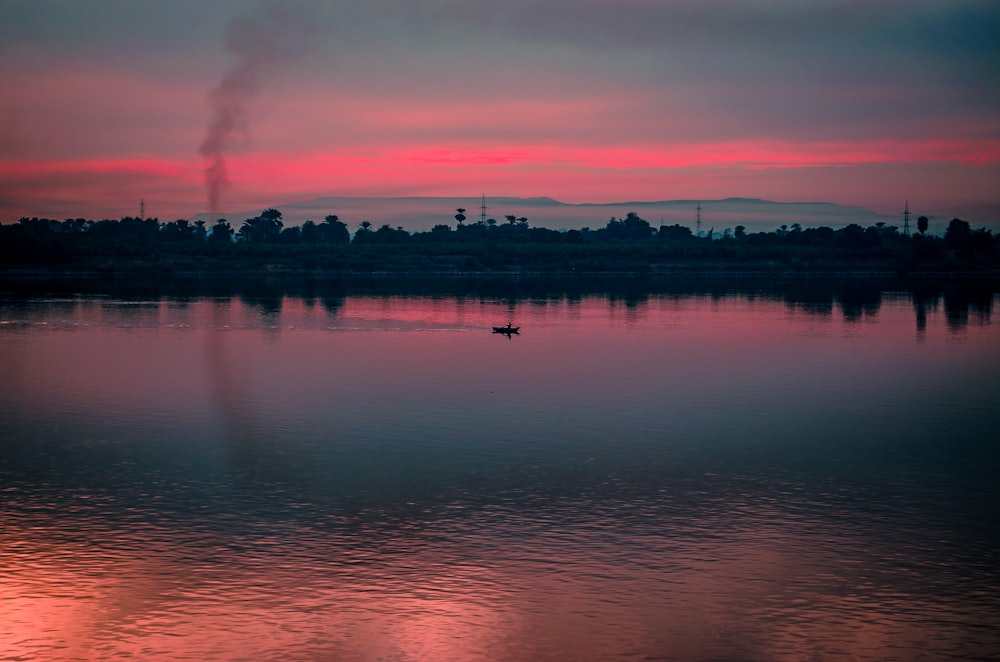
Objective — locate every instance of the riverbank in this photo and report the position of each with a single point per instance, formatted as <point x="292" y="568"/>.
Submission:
<point x="805" y="287"/>
<point x="341" y="265"/>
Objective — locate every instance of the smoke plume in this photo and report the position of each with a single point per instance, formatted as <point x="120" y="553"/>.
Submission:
<point x="263" y="41"/>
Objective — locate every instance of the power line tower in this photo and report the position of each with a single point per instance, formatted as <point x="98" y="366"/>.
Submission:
<point x="142" y="209"/>
<point x="906" y="219"/>
<point x="482" y="211"/>
<point x="698" y="222"/>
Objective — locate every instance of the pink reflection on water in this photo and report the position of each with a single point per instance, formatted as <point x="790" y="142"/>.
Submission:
<point x="754" y="594"/>
<point x="95" y="347"/>
<point x="751" y="582"/>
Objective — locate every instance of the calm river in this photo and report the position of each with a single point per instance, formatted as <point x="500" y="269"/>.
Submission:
<point x="696" y="474"/>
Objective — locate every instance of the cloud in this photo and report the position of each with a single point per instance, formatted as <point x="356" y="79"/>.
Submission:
<point x="588" y="89"/>
<point x="97" y="188"/>
<point x="101" y="112"/>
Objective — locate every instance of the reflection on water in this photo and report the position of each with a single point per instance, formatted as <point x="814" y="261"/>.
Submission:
<point x="678" y="473"/>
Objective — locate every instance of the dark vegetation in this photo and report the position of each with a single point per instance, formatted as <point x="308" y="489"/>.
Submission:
<point x="630" y="245"/>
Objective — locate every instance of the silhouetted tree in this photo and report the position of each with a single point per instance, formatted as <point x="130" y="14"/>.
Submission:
<point x="636" y="228"/>
<point x="290" y="235"/>
<point x="958" y="234"/>
<point x="674" y="232"/>
<point x="177" y="231"/>
<point x="922" y="223"/>
<point x="852" y="236"/>
<point x="271" y="223"/>
<point x="387" y="234"/>
<point x="440" y="232"/>
<point x="631" y="228"/>
<point x="221" y="232"/>
<point x="363" y="233"/>
<point x="966" y="240"/>
<point x="460" y="216"/>
<point x="75" y="225"/>
<point x="310" y="232"/>
<point x="334" y="231"/>
<point x="138" y="231"/>
<point x="485" y="245"/>
<point x="265" y="228"/>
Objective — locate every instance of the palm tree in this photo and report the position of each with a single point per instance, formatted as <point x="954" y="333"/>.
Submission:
<point x="270" y="224"/>
<point x="334" y="231"/>
<point x="364" y="233"/>
<point x="221" y="232"/>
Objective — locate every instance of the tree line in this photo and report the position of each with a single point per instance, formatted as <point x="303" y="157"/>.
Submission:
<point x="489" y="244"/>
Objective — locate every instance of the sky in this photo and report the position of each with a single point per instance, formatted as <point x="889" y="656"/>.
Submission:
<point x="218" y="106"/>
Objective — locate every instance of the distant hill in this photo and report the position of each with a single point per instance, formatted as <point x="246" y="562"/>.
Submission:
<point x="423" y="213"/>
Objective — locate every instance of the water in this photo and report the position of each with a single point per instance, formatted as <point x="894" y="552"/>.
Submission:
<point x="683" y="475"/>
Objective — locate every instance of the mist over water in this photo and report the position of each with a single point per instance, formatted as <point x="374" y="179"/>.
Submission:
<point x="356" y="473"/>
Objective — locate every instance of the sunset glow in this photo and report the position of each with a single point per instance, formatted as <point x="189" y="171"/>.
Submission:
<point x="582" y="102"/>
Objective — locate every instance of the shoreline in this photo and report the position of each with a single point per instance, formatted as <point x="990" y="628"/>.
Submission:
<point x="270" y="283"/>
<point x="639" y="272"/>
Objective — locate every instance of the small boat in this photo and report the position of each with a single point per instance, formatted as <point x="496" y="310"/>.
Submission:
<point x="506" y="329"/>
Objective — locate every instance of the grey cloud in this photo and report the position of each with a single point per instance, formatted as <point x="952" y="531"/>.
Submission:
<point x="946" y="49"/>
<point x="769" y="67"/>
<point x="843" y="39"/>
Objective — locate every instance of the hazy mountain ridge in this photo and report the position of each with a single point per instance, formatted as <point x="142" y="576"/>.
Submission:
<point x="421" y="213"/>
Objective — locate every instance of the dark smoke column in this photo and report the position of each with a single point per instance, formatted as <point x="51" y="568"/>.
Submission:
<point x="262" y="41"/>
